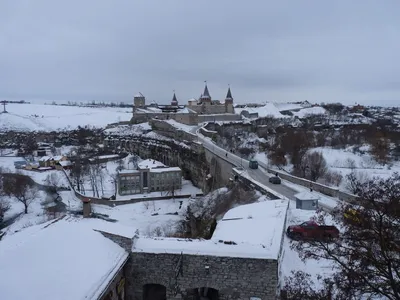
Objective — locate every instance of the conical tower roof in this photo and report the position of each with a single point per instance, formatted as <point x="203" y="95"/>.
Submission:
<point x="206" y="94"/>
<point x="174" y="101"/>
<point x="229" y="94"/>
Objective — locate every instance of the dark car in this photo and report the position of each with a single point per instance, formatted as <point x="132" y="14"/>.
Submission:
<point x="310" y="230"/>
<point x="275" y="180"/>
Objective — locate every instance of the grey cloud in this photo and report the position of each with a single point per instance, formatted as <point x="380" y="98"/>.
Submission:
<point x="267" y="50"/>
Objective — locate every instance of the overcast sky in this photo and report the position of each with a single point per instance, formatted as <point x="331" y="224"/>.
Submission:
<point x="322" y="51"/>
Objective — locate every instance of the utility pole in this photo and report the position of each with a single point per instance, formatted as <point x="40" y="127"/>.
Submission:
<point x="4" y="102"/>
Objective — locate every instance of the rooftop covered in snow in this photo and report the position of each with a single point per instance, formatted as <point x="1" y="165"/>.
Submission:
<point x="252" y="230"/>
<point x="306" y="195"/>
<point x="66" y="259"/>
<point x="150" y="164"/>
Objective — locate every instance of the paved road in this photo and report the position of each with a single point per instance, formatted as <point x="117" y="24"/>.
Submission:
<point x="259" y="174"/>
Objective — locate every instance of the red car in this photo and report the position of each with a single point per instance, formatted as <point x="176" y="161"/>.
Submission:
<point x="310" y="230"/>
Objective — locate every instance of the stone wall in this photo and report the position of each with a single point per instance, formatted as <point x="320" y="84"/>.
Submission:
<point x="192" y="161"/>
<point x="219" y="117"/>
<point x="220" y="169"/>
<point x="122" y="241"/>
<point x="234" y="278"/>
<point x="166" y="129"/>
<point x="185" y="118"/>
<point x="116" y="288"/>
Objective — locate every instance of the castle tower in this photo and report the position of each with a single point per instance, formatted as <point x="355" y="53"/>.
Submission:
<point x="174" y="101"/>
<point x="205" y="97"/>
<point x="139" y="101"/>
<point x="229" y="102"/>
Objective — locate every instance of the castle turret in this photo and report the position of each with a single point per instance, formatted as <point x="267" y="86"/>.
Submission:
<point x="174" y="101"/>
<point x="139" y="101"/>
<point x="229" y="102"/>
<point x="205" y="97"/>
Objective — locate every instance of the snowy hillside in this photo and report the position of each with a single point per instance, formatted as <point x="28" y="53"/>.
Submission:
<point x="37" y="117"/>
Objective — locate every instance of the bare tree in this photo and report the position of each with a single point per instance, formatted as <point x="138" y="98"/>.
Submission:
<point x="114" y="180"/>
<point x="92" y="174"/>
<point x="21" y="187"/>
<point x="134" y="161"/>
<point x="366" y="255"/>
<point x="380" y="148"/>
<point x="121" y="164"/>
<point x="313" y="165"/>
<point x="355" y="180"/>
<point x="4" y="207"/>
<point x="79" y="168"/>
<point x="277" y="157"/>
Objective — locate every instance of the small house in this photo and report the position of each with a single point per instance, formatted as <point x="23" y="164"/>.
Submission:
<point x="307" y="200"/>
<point x="64" y="164"/>
<point x="44" y="161"/>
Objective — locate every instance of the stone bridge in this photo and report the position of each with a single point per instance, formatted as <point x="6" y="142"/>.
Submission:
<point x="152" y="276"/>
<point x="197" y="159"/>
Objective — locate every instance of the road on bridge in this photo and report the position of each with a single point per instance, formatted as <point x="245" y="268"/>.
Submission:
<point x="260" y="175"/>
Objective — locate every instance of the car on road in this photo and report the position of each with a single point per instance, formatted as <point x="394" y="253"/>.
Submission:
<point x="253" y="164"/>
<point x="311" y="230"/>
<point x="275" y="180"/>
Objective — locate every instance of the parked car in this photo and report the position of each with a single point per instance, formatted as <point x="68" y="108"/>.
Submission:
<point x="311" y="230"/>
<point x="275" y="180"/>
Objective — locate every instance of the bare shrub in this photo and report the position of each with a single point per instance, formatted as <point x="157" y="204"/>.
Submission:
<point x="313" y="166"/>
<point x="157" y="231"/>
<point x="146" y="205"/>
<point x="332" y="178"/>
<point x="4" y="207"/>
<point x="355" y="180"/>
<point x="350" y="163"/>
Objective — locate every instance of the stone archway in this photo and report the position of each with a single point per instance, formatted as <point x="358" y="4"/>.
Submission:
<point x="202" y="293"/>
<point x="154" y="291"/>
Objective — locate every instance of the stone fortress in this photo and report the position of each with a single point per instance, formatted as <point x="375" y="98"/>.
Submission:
<point x="196" y="111"/>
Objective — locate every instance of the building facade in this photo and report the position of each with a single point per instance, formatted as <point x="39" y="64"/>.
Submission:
<point x="150" y="176"/>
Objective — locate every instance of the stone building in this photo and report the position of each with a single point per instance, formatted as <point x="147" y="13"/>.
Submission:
<point x="239" y="262"/>
<point x="139" y="101"/>
<point x="205" y="105"/>
<point x="188" y="115"/>
<point x="150" y="176"/>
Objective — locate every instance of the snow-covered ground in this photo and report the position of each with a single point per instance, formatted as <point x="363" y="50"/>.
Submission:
<point x="291" y="261"/>
<point x="274" y="110"/>
<point x="123" y="130"/>
<point x="310" y="111"/>
<point x="344" y="161"/>
<point x="268" y="110"/>
<point x="37" y="117"/>
<point x="7" y="164"/>
<point x="34" y="216"/>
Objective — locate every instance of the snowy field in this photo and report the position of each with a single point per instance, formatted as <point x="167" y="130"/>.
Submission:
<point x="37" y="117"/>
<point x="344" y="161"/>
